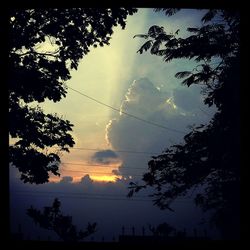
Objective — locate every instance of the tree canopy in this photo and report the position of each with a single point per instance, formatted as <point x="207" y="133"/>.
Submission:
<point x="209" y="159"/>
<point x="44" y="46"/>
<point x="52" y="219"/>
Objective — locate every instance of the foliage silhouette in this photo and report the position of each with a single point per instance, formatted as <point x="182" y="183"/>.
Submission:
<point x="52" y="219"/>
<point x="208" y="160"/>
<point x="44" y="46"/>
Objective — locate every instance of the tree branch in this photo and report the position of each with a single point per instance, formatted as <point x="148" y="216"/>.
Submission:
<point x="40" y="53"/>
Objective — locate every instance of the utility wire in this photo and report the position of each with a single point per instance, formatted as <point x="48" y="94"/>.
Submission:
<point x="89" y="196"/>
<point x="125" y="113"/>
<point x="79" y="196"/>
<point x="97" y="198"/>
<point x="75" y="193"/>
<point x="86" y="165"/>
<point x="91" y="172"/>
<point x="97" y="165"/>
<point x="118" y="151"/>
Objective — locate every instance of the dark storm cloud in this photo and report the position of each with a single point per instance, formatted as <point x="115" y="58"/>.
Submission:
<point x="66" y="179"/>
<point x="105" y="156"/>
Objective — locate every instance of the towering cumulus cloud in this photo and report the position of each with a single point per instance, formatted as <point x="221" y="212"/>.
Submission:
<point x="148" y="102"/>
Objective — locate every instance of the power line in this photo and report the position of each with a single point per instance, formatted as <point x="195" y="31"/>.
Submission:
<point x="97" y="165"/>
<point x="105" y="173"/>
<point x="100" y="173"/>
<point x="118" y="151"/>
<point x="86" y="165"/>
<point x="89" y="172"/>
<point x="74" y="193"/>
<point x="89" y="196"/>
<point x="128" y="114"/>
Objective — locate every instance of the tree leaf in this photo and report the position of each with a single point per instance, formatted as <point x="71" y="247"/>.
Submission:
<point x="209" y="15"/>
<point x="155" y="30"/>
<point x="145" y="46"/>
<point x="182" y="74"/>
<point x="141" y="35"/>
<point x="195" y="30"/>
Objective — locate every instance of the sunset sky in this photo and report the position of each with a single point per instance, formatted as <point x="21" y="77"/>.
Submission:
<point x="111" y="147"/>
<point x="107" y="74"/>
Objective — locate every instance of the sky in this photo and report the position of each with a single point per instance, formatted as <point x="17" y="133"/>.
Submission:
<point x="113" y="148"/>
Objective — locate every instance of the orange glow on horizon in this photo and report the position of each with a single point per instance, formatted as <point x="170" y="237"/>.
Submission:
<point x="101" y="173"/>
<point x="104" y="178"/>
<point x="95" y="178"/>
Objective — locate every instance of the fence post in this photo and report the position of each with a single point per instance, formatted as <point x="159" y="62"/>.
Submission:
<point x="195" y="233"/>
<point x="133" y="231"/>
<point x="184" y="232"/>
<point x="143" y="231"/>
<point x="205" y="233"/>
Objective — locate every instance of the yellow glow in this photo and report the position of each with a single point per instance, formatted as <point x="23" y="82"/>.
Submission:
<point x="104" y="178"/>
<point x="102" y="173"/>
<point x="77" y="178"/>
<point x="171" y="103"/>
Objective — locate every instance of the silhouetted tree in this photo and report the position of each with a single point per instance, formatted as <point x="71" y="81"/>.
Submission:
<point x="52" y="219"/>
<point x="44" y="45"/>
<point x="210" y="155"/>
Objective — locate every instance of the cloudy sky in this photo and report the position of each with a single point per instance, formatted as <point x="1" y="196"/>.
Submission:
<point x="112" y="148"/>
